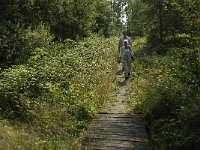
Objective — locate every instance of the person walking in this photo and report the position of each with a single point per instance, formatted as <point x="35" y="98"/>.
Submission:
<point x="126" y="59"/>
<point x="121" y="45"/>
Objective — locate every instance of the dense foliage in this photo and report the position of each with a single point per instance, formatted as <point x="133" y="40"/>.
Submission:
<point x="167" y="70"/>
<point x="171" y="22"/>
<point x="167" y="92"/>
<point x="60" y="88"/>
<point x="74" y="19"/>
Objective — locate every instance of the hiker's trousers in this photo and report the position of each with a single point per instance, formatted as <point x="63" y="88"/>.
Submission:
<point x="126" y="62"/>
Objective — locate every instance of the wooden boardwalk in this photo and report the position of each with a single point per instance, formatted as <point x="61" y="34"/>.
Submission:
<point x="115" y="129"/>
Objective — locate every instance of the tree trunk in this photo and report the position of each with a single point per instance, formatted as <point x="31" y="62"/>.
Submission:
<point x="160" y="8"/>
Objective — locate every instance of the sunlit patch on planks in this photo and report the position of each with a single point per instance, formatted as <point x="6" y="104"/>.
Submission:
<point x="115" y="129"/>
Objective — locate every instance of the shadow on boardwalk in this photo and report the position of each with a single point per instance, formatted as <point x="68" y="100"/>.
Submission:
<point x="115" y="129"/>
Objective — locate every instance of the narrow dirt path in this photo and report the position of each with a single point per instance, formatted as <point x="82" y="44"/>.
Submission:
<point x="115" y="129"/>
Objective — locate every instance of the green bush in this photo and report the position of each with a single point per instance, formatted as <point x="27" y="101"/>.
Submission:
<point x="61" y="87"/>
<point x="17" y="46"/>
<point x="167" y="92"/>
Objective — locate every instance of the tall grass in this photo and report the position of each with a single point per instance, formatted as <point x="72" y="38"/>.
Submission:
<point x="49" y="101"/>
<point x="167" y="93"/>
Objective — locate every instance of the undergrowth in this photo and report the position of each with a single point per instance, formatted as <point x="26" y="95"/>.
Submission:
<point x="48" y="102"/>
<point x="166" y="90"/>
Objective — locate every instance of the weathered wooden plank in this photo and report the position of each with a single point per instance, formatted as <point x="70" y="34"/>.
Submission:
<point x="120" y="115"/>
<point x="115" y="143"/>
<point x="120" y="138"/>
<point x="117" y="128"/>
<point x="119" y="121"/>
<point x="136" y="134"/>
<point x="105" y="148"/>
<point x="96" y="147"/>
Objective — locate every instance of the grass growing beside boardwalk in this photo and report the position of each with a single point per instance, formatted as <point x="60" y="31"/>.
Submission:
<point x="48" y="102"/>
<point x="166" y="90"/>
<point x="22" y="138"/>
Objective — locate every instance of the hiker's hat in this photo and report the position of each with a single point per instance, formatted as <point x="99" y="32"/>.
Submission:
<point x="125" y="41"/>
